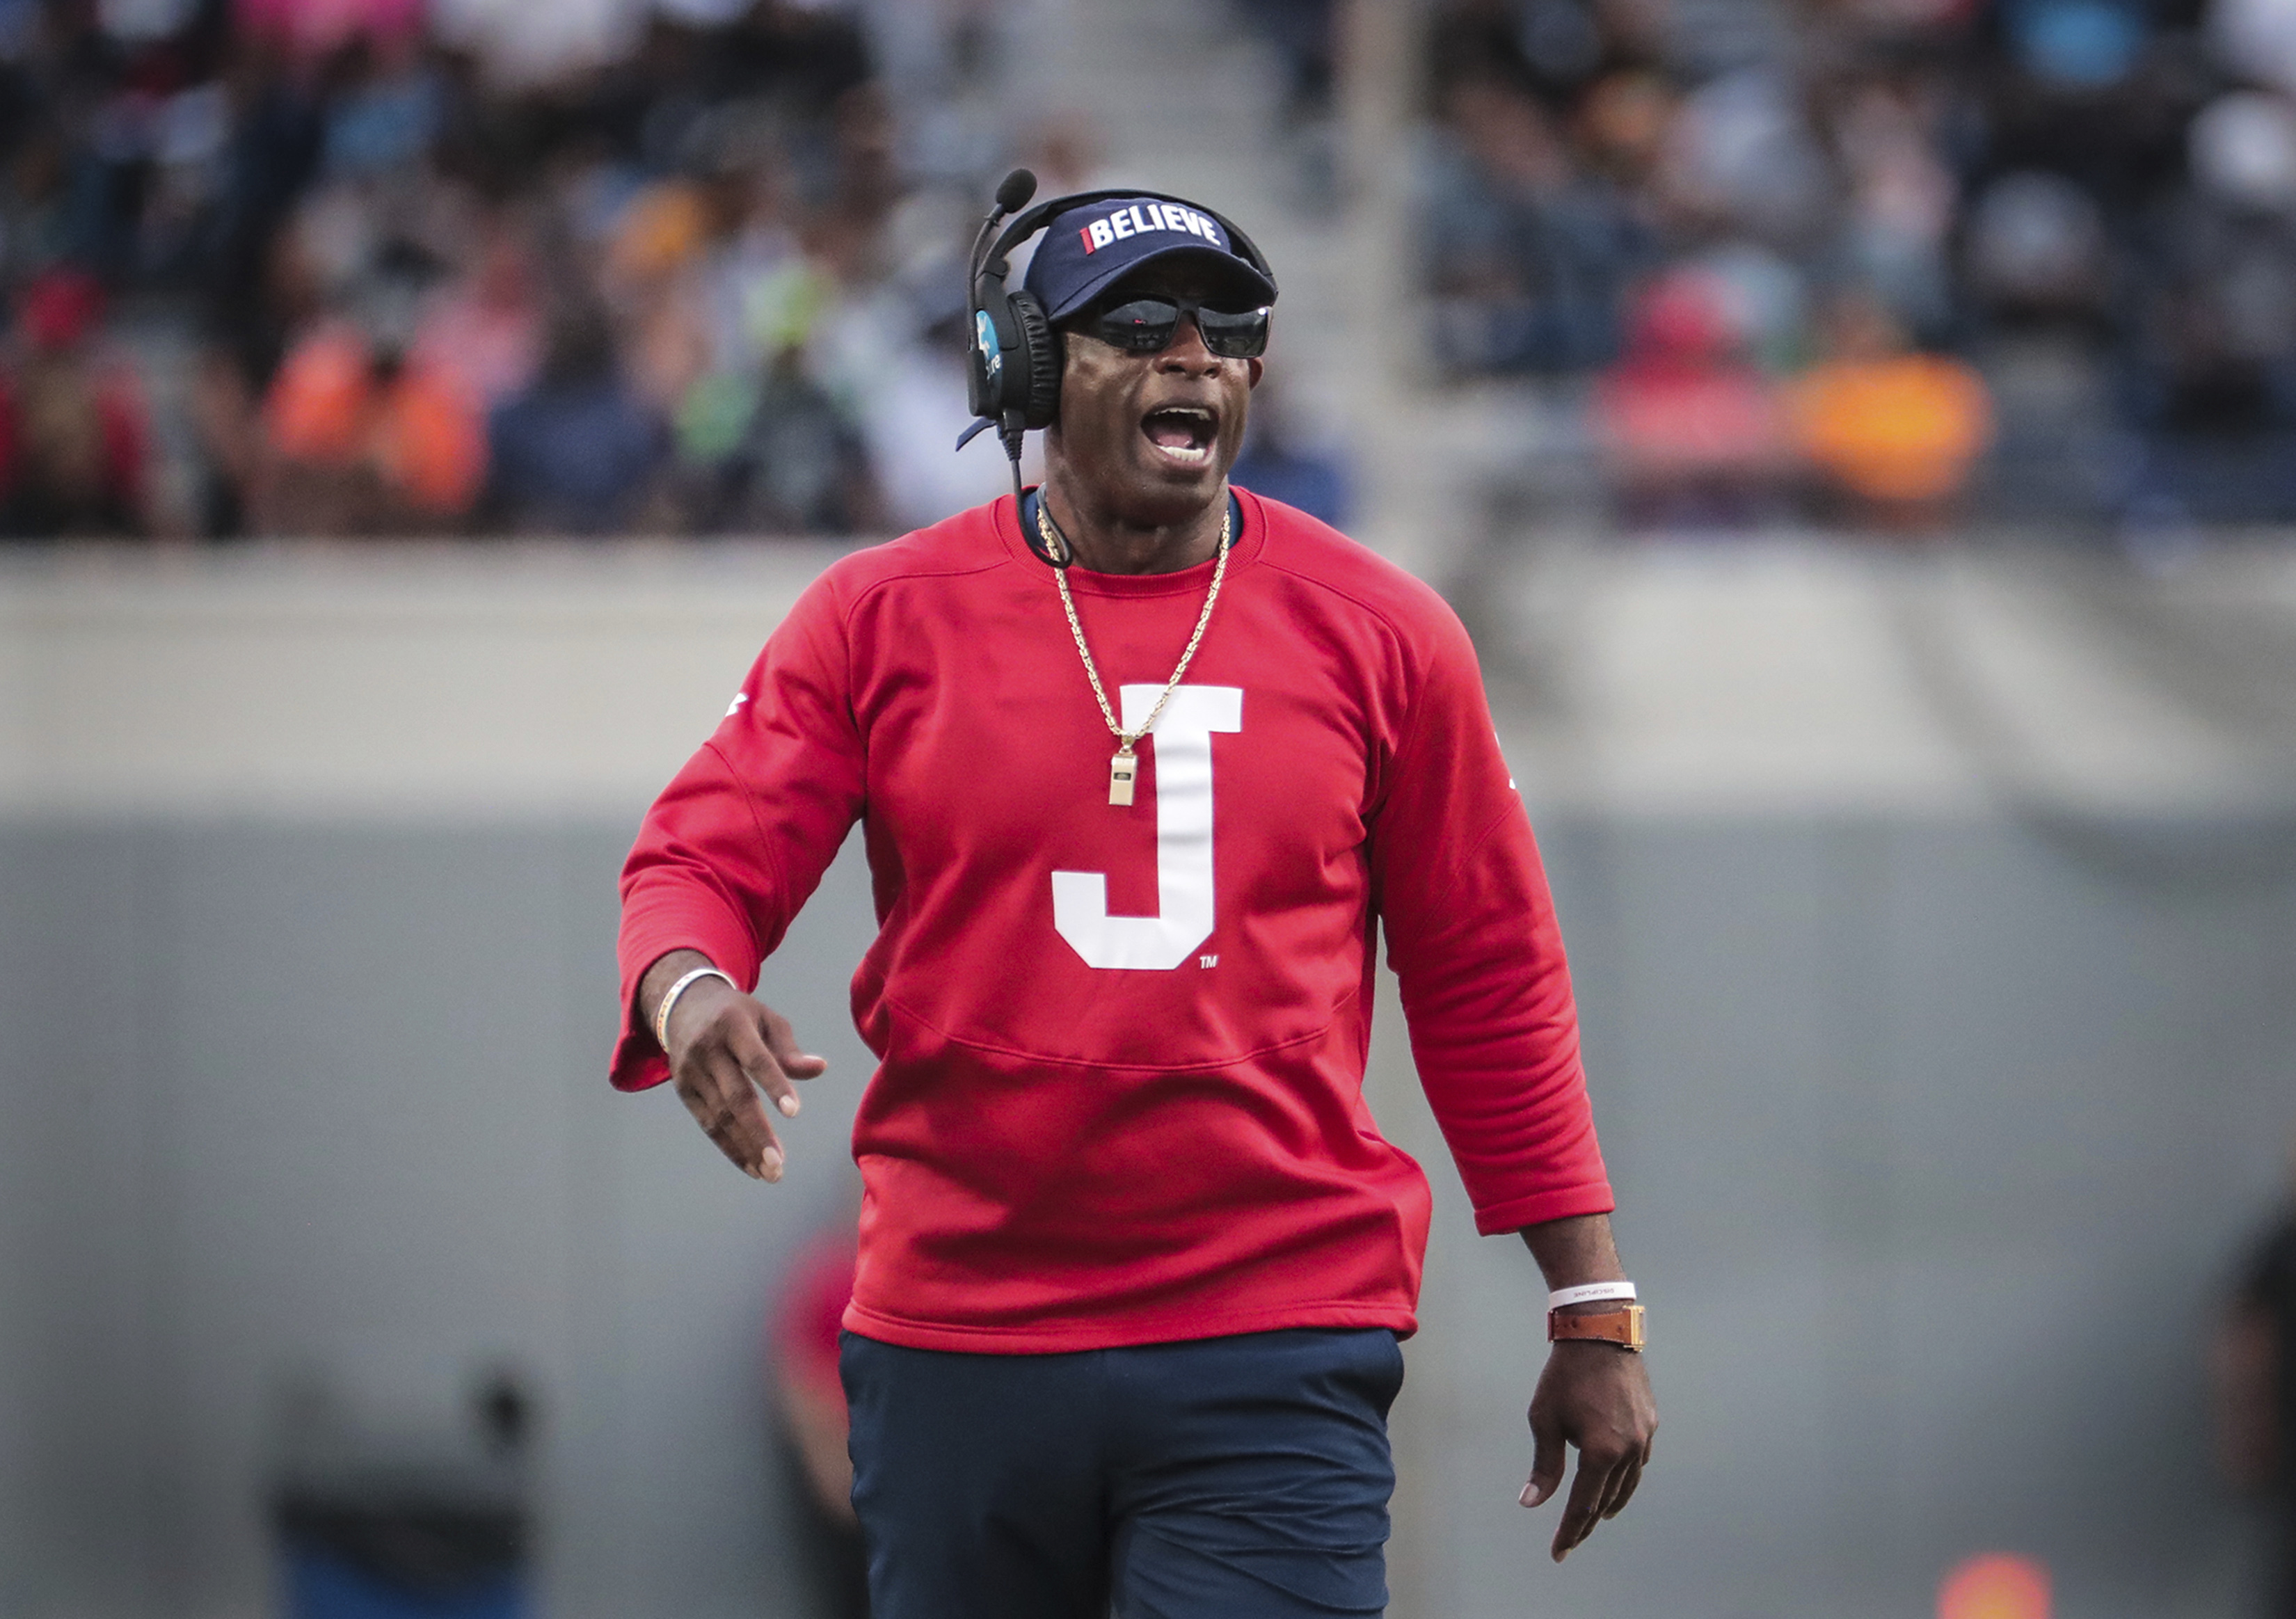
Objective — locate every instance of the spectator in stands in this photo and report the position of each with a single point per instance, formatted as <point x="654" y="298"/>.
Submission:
<point x="2210" y="377"/>
<point x="1526" y="255"/>
<point x="1622" y="124"/>
<point x="73" y="442"/>
<point x="385" y="109"/>
<point x="1277" y="460"/>
<point x="811" y="1422"/>
<point x="248" y="337"/>
<point x="580" y="451"/>
<point x="1693" y="435"/>
<point x="312" y="30"/>
<point x="2255" y="1367"/>
<point x="797" y="464"/>
<point x="2089" y="90"/>
<point x="483" y="330"/>
<point x="34" y="213"/>
<point x="1890" y="435"/>
<point x="752" y="239"/>
<point x="1899" y="198"/>
<point x="357" y="437"/>
<point x="652" y="277"/>
<point x="2038" y="253"/>
<point x="1740" y="158"/>
<point x="903" y="371"/>
<point x="251" y="267"/>
<point x="1301" y="32"/>
<point x="1066" y="152"/>
<point x="766" y="448"/>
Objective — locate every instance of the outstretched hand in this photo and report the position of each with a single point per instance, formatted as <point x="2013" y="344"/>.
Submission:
<point x="729" y="1053"/>
<point x="1597" y="1396"/>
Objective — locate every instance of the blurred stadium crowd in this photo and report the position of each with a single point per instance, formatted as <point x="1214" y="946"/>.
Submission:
<point x="1831" y="254"/>
<point x="408" y="268"/>
<point x="364" y="266"/>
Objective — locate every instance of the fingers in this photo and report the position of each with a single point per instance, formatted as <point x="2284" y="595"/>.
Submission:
<point x="1600" y="1403"/>
<point x="740" y="1050"/>
<point x="1638" y="1456"/>
<point x="1588" y="1490"/>
<point x="1623" y="1486"/>
<point x="1610" y="1472"/>
<point x="725" y="1102"/>
<point x="1582" y="1403"/>
<point x="752" y="1049"/>
<point x="1547" y="1458"/>
<point x="793" y="1061"/>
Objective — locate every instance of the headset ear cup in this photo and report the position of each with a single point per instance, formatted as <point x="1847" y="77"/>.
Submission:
<point x="1042" y="346"/>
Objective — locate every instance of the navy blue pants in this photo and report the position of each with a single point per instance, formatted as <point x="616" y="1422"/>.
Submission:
<point x="1222" y="1478"/>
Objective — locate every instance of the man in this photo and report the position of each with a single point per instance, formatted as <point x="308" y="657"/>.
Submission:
<point x="1133" y="1257"/>
<point x="2256" y="1397"/>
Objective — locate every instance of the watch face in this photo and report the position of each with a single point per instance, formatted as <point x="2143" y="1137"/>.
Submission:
<point x="1622" y="1326"/>
<point x="984" y="342"/>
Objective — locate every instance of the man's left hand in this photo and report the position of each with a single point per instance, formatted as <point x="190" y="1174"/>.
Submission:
<point x="1597" y="1396"/>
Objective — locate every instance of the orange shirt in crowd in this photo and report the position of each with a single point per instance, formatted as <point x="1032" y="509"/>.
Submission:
<point x="418" y="429"/>
<point x="1900" y="429"/>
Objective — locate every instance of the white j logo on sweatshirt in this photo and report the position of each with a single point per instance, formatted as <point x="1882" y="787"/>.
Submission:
<point x="1184" y="840"/>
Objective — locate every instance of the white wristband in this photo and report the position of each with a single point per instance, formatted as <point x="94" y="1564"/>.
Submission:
<point x="669" y="999"/>
<point x="1589" y="1292"/>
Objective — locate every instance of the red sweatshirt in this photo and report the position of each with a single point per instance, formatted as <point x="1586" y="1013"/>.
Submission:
<point x="1118" y="1097"/>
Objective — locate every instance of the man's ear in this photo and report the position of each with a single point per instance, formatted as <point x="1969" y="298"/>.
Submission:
<point x="1257" y="367"/>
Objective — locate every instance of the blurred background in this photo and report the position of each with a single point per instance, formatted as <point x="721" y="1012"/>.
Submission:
<point x="1861" y="435"/>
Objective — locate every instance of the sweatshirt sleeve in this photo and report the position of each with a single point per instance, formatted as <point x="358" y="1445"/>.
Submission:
<point x="1471" y="935"/>
<point x="736" y="843"/>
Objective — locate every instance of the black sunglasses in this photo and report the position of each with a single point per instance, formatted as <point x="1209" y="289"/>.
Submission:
<point x="1147" y="326"/>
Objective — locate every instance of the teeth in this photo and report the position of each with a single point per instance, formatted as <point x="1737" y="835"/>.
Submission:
<point x="1200" y="423"/>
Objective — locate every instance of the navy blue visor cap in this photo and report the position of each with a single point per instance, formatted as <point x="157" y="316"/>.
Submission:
<point x="1087" y="249"/>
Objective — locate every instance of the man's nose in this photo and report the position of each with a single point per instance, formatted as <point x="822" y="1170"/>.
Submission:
<point x="1186" y="351"/>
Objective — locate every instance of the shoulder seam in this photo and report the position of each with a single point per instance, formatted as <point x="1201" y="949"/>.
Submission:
<point x="873" y="586"/>
<point x="1342" y="591"/>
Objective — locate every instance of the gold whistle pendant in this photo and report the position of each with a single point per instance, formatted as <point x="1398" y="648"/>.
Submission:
<point x="1121" y="770"/>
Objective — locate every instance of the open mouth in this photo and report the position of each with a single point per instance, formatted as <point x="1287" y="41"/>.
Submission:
<point x="1182" y="433"/>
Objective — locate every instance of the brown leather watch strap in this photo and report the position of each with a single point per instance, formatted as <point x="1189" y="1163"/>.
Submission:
<point x="1622" y="1326"/>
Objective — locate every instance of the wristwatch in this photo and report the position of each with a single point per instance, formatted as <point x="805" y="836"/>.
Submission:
<point x="1622" y="1326"/>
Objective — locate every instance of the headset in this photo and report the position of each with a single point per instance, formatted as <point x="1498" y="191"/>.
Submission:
<point x="1012" y="372"/>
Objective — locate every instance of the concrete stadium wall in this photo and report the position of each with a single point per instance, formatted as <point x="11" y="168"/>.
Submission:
<point x="1934" y="1132"/>
<point x="286" y="1099"/>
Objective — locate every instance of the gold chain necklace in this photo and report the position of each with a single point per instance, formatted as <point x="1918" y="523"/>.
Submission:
<point x="1124" y="768"/>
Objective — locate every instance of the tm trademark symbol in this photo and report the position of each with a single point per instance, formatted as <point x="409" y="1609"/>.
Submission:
<point x="1209" y="961"/>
